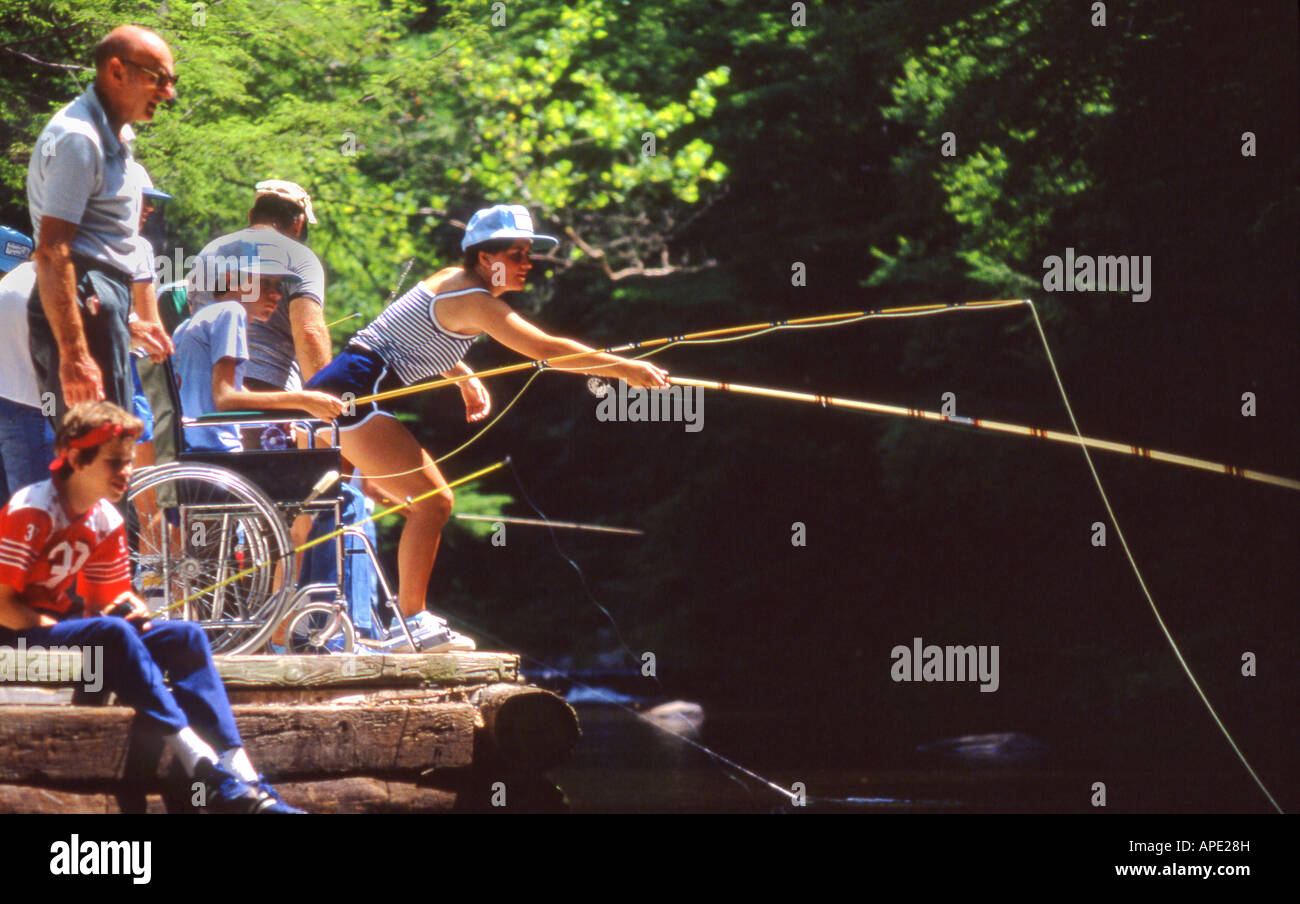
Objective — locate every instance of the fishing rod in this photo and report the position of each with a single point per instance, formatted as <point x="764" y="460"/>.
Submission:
<point x="704" y="335"/>
<point x="343" y="319"/>
<point x="598" y="386"/>
<point x="984" y="424"/>
<point x="567" y="525"/>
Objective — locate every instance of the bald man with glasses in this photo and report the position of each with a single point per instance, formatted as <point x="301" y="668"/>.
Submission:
<point x="85" y="196"/>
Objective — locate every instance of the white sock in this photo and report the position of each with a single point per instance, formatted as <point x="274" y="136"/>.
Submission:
<point x="189" y="748"/>
<point x="236" y="760"/>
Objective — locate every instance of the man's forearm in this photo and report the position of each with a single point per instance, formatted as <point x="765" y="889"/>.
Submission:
<point x="311" y="338"/>
<point x="313" y="353"/>
<point x="144" y="301"/>
<point x="56" y="279"/>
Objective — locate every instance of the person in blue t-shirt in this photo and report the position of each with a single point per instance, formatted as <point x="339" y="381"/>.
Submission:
<point x="212" y="346"/>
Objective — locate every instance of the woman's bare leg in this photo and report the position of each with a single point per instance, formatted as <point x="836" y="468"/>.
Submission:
<point x="380" y="447"/>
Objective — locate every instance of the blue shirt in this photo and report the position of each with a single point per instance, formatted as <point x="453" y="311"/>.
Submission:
<point x="218" y="331"/>
<point x="79" y="172"/>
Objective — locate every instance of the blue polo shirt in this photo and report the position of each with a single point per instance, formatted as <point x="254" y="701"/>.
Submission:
<point x="79" y="173"/>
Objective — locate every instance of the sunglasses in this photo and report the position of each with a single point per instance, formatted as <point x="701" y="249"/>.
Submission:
<point x="160" y="79"/>
<point x="517" y="255"/>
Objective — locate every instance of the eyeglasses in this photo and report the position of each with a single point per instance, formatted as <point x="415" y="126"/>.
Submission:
<point x="518" y="255"/>
<point x="160" y="79"/>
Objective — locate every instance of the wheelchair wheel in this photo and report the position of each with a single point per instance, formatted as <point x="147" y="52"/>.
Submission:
<point x="319" y="628"/>
<point x="193" y="528"/>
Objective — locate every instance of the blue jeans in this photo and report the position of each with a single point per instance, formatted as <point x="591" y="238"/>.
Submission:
<point x="26" y="445"/>
<point x="133" y="667"/>
<point x="320" y="567"/>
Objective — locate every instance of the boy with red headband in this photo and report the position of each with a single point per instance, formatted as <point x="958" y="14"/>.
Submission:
<point x="66" y="528"/>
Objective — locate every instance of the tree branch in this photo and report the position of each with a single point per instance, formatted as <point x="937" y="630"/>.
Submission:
<point x="46" y="63"/>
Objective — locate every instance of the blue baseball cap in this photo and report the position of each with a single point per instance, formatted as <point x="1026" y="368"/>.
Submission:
<point x="15" y="248"/>
<point x="150" y="192"/>
<point x="504" y="221"/>
<point x="238" y="256"/>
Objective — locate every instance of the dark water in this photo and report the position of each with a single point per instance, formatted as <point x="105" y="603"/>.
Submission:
<point x="625" y="765"/>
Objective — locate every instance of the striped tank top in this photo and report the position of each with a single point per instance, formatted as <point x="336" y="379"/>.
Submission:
<point x="408" y="336"/>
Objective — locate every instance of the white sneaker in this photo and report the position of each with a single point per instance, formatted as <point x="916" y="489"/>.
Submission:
<point x="431" y="633"/>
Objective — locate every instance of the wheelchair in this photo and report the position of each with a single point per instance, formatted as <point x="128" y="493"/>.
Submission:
<point x="210" y="541"/>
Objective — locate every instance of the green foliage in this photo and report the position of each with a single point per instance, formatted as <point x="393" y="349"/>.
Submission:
<point x="544" y="126"/>
<point x="390" y="127"/>
<point x="992" y="84"/>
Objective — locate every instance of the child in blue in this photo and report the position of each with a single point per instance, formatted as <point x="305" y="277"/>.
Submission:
<point x="212" y="346"/>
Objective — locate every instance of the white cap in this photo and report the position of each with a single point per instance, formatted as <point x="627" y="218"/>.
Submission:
<point x="504" y="221"/>
<point x="290" y="191"/>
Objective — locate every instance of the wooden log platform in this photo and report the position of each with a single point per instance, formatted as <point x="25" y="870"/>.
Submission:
<point x="335" y="733"/>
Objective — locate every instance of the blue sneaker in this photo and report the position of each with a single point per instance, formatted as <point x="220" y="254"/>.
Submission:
<point x="227" y="793"/>
<point x="280" y="806"/>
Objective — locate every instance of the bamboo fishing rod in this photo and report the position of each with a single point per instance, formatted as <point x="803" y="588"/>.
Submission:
<point x="821" y="319"/>
<point x="344" y="319"/>
<point x="565" y="525"/>
<point x="998" y="426"/>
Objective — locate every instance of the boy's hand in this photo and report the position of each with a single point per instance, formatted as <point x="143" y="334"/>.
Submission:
<point x="323" y="405"/>
<point x="132" y="608"/>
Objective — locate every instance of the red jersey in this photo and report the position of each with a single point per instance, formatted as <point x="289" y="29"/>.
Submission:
<point x="43" y="550"/>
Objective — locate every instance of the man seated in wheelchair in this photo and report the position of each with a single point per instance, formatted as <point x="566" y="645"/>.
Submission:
<point x="66" y="529"/>
<point x="212" y="346"/>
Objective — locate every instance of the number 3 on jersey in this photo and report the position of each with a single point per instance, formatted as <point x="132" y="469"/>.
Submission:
<point x="65" y="559"/>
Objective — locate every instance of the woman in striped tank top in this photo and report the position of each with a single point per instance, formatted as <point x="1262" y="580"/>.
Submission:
<point x="426" y="333"/>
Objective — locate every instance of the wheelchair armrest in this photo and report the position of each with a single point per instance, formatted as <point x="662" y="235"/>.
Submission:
<point x="236" y="418"/>
<point x="278" y="416"/>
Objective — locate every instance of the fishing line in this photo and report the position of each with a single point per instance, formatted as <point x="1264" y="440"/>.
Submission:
<point x="326" y="537"/>
<point x="492" y="423"/>
<point x="1083" y="443"/>
<point x="713" y="755"/>
<point x="839" y="320"/>
<point x="1078" y="439"/>
<point x="545" y="363"/>
<point x="582" y="578"/>
<point x="473" y="439"/>
<point x="1187" y="670"/>
<point x="401" y="279"/>
<point x="884" y="314"/>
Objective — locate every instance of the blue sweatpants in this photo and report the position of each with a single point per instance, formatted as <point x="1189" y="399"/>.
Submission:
<point x="134" y="663"/>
